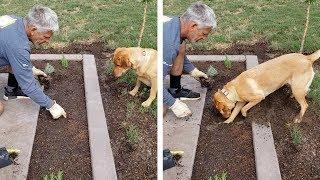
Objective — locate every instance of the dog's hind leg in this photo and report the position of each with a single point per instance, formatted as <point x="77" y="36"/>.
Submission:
<point x="300" y="87"/>
<point x="300" y="97"/>
<point x="134" y="91"/>
<point x="153" y="93"/>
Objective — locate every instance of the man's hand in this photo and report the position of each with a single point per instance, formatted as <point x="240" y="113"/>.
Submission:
<point x="56" y="111"/>
<point x="38" y="72"/>
<point x="196" y="73"/>
<point x="180" y="109"/>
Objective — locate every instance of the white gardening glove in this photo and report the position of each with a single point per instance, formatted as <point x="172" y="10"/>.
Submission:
<point x="196" y="73"/>
<point x="38" y="72"/>
<point x="180" y="109"/>
<point x="56" y="111"/>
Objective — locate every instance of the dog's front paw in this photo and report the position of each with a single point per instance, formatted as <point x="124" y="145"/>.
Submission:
<point x="297" y="119"/>
<point x="133" y="92"/>
<point x="146" y="104"/>
<point x="244" y="113"/>
<point x="228" y="121"/>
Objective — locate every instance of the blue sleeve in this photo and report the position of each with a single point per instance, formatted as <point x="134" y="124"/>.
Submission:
<point x="168" y="55"/>
<point x="187" y="66"/>
<point x="19" y="60"/>
<point x="168" y="100"/>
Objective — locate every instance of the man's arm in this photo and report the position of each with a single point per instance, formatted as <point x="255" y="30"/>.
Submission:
<point x="187" y="66"/>
<point x="168" y="100"/>
<point x="19" y="60"/>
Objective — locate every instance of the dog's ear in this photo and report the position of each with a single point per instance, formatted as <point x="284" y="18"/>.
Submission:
<point x="125" y="61"/>
<point x="121" y="57"/>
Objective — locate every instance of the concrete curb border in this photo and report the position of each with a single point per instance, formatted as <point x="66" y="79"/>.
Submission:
<point x="103" y="166"/>
<point x="56" y="57"/>
<point x="267" y="165"/>
<point x="17" y="129"/>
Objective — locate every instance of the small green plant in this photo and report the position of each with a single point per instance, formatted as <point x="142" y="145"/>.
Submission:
<point x="124" y="92"/>
<point x="133" y="134"/>
<point x="109" y="68"/>
<point x="53" y="176"/>
<point x="212" y="71"/>
<point x="130" y="108"/>
<point x="64" y="62"/>
<point x="49" y="69"/>
<point x="128" y="78"/>
<point x="227" y="62"/>
<point x="222" y="176"/>
<point x="296" y="135"/>
<point x="144" y="91"/>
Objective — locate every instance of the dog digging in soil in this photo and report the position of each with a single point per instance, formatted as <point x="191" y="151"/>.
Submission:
<point x="253" y="85"/>
<point x="144" y="62"/>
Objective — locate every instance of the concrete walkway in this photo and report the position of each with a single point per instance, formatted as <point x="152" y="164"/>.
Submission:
<point x="182" y="134"/>
<point x="17" y="129"/>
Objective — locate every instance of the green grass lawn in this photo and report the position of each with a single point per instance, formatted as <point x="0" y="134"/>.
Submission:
<point x="115" y="22"/>
<point x="280" y="22"/>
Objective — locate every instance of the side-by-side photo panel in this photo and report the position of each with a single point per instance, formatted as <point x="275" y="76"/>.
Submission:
<point x="79" y="86"/>
<point x="241" y="90"/>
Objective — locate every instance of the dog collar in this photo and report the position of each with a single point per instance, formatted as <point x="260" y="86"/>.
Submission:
<point x="226" y="93"/>
<point x="142" y="55"/>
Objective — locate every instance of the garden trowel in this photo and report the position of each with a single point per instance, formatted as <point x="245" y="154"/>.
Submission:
<point x="7" y="156"/>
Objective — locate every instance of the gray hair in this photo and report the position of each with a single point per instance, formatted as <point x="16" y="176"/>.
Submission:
<point x="201" y="14"/>
<point x="43" y="18"/>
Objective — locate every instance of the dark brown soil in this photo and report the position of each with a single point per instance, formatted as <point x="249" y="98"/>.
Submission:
<point x="296" y="162"/>
<point x="63" y="144"/>
<point x="137" y="163"/>
<point x="140" y="162"/>
<point x="223" y="147"/>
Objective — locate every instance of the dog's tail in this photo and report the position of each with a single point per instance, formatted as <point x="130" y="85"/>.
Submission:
<point x="313" y="57"/>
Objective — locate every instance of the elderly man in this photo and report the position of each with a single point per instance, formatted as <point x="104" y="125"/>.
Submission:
<point x="15" y="33"/>
<point x="194" y="25"/>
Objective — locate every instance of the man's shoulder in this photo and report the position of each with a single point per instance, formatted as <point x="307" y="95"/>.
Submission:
<point x="9" y="22"/>
<point x="170" y="20"/>
<point x="11" y="32"/>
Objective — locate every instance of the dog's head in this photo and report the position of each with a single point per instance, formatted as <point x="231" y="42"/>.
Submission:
<point x="222" y="103"/>
<point x="121" y="61"/>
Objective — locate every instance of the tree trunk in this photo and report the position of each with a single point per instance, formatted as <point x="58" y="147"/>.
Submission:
<point x="305" y="28"/>
<point x="143" y="23"/>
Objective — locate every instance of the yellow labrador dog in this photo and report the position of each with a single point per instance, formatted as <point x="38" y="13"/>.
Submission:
<point x="253" y="85"/>
<point x="144" y="62"/>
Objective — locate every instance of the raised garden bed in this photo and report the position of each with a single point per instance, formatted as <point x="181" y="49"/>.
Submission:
<point x="223" y="147"/>
<point x="132" y="128"/>
<point x="79" y="145"/>
<point x="278" y="110"/>
<point x="300" y="161"/>
<point x="63" y="144"/>
<point x="139" y="163"/>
